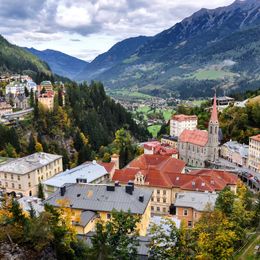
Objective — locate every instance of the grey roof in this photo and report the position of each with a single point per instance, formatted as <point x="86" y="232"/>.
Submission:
<point x="90" y="171"/>
<point x="29" y="163"/>
<point x="196" y="200"/>
<point x="97" y="198"/>
<point x="86" y="217"/>
<point x="27" y="202"/>
<point x="242" y="149"/>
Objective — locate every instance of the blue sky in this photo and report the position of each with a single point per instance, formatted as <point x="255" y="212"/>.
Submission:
<point x="86" y="28"/>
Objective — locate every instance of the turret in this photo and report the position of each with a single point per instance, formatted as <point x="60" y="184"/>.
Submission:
<point x="213" y="132"/>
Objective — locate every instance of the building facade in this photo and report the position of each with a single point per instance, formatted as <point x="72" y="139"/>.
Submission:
<point x="5" y="108"/>
<point x="190" y="206"/>
<point x="47" y="100"/>
<point x="23" y="175"/>
<point x="254" y="153"/>
<point x="197" y="147"/>
<point x="178" y="123"/>
<point x="235" y="152"/>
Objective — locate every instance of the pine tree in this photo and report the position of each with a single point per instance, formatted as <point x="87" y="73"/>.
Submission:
<point x="40" y="191"/>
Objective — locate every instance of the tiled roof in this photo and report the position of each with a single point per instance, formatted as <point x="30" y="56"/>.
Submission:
<point x="97" y="198"/>
<point x="182" y="117"/>
<point x="201" y="180"/>
<point x="108" y="166"/>
<point x="198" y="137"/>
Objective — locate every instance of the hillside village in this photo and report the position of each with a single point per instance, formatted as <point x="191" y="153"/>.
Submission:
<point x="178" y="177"/>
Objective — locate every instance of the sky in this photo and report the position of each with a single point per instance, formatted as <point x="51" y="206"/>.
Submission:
<point x="86" y="28"/>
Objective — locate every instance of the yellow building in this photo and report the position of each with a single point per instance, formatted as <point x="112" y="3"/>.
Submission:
<point x="254" y="153"/>
<point x="90" y="203"/>
<point x="22" y="175"/>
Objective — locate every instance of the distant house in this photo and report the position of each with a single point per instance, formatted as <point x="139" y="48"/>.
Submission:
<point x="190" y="206"/>
<point x="47" y="100"/>
<point x="178" y="123"/>
<point x="5" y="108"/>
<point x="170" y="140"/>
<point x="91" y="203"/>
<point x="235" y="152"/>
<point x="21" y="102"/>
<point x="46" y="85"/>
<point x="15" y="88"/>
<point x="90" y="172"/>
<point x="156" y="147"/>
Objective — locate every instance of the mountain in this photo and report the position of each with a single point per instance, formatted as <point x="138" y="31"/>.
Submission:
<point x="15" y="59"/>
<point x="60" y="63"/>
<point x="117" y="54"/>
<point x="212" y="48"/>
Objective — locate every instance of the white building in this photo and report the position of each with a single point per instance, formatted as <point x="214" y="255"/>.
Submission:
<point x="15" y="88"/>
<point x="27" y="203"/>
<point x="91" y="172"/>
<point x="254" y="153"/>
<point x="178" y="123"/>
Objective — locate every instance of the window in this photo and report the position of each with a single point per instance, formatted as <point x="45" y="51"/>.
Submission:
<point x="108" y="216"/>
<point x="152" y="198"/>
<point x="18" y="177"/>
<point x="152" y="208"/>
<point x="164" y="192"/>
<point x="5" y="176"/>
<point x="12" y="185"/>
<point x="158" y="208"/>
<point x="158" y="199"/>
<point x="189" y="223"/>
<point x="29" y="184"/>
<point x="20" y="187"/>
<point x="12" y="176"/>
<point x="164" y="210"/>
<point x="28" y="175"/>
<point x="185" y="212"/>
<point x="158" y="192"/>
<point x="6" y="184"/>
<point x="164" y="200"/>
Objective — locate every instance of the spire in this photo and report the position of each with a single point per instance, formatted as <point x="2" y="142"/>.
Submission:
<point x="214" y="113"/>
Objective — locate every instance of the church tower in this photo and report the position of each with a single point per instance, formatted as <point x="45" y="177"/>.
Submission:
<point x="213" y="130"/>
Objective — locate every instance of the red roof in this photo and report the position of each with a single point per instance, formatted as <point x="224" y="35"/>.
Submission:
<point x="256" y="137"/>
<point x="158" y="162"/>
<point x="163" y="176"/>
<point x="198" y="137"/>
<point x="108" y="166"/>
<point x="182" y="117"/>
<point x="151" y="145"/>
<point x="214" y="113"/>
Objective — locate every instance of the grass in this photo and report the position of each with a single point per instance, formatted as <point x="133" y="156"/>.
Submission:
<point x="2" y="159"/>
<point x="212" y="74"/>
<point x="124" y="93"/>
<point x="154" y="129"/>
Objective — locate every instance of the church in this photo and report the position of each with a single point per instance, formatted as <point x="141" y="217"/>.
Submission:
<point x="197" y="147"/>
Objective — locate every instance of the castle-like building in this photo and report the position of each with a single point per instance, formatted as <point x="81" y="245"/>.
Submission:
<point x="197" y="147"/>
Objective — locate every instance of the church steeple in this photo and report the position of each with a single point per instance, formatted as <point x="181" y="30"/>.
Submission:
<point x="214" y="113"/>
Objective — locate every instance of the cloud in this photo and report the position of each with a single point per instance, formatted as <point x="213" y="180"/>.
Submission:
<point x="51" y="20"/>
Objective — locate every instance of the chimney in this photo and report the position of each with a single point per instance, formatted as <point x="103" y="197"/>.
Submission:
<point x="110" y="188"/>
<point x="63" y="190"/>
<point x="129" y="189"/>
<point x="141" y="198"/>
<point x="131" y="183"/>
<point x="115" y="159"/>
